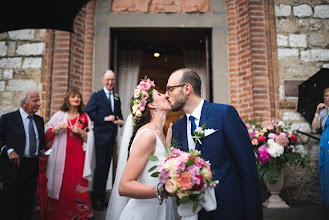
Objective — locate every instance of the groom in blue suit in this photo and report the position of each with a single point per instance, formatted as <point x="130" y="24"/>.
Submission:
<point x="229" y="149"/>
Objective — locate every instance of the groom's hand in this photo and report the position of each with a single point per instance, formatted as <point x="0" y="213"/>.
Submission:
<point x="169" y="135"/>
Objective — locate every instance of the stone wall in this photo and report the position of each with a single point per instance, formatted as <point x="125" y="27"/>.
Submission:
<point x="21" y="58"/>
<point x="302" y="28"/>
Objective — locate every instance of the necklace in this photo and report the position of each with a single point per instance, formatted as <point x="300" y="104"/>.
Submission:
<point x="75" y="124"/>
<point x="70" y="124"/>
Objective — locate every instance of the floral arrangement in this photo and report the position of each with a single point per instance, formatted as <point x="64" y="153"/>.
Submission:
<point x="185" y="175"/>
<point x="201" y="132"/>
<point x="142" y="95"/>
<point x="275" y="145"/>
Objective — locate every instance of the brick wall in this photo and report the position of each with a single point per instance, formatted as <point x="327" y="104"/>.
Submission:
<point x="251" y="32"/>
<point x="68" y="61"/>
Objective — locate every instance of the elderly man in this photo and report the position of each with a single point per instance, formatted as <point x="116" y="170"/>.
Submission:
<point x="104" y="108"/>
<point x="21" y="141"/>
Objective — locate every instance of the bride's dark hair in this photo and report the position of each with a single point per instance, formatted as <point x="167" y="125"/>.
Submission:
<point x="146" y="118"/>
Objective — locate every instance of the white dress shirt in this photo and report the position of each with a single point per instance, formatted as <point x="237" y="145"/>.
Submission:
<point x="197" y="115"/>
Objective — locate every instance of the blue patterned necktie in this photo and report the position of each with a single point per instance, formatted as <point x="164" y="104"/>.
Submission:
<point x="193" y="126"/>
<point x="32" y="136"/>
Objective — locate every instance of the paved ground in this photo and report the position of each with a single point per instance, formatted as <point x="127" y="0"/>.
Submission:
<point x="299" y="210"/>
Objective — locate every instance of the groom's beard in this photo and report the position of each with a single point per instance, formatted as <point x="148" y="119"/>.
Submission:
<point x="179" y="103"/>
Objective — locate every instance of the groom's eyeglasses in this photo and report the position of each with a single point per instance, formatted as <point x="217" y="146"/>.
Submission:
<point x="169" y="89"/>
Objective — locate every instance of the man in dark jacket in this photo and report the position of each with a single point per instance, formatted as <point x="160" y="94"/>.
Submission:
<point x="104" y="108"/>
<point x="21" y="141"/>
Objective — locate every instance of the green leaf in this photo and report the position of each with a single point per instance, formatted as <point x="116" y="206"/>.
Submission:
<point x="152" y="168"/>
<point x="196" y="192"/>
<point x="156" y="174"/>
<point x="184" y="200"/>
<point x="153" y="158"/>
<point x="195" y="205"/>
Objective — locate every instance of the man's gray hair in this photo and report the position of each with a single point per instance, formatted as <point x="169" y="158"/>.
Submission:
<point x="25" y="96"/>
<point x="108" y="71"/>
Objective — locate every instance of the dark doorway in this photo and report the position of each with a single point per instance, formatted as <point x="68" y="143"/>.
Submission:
<point x="172" y="45"/>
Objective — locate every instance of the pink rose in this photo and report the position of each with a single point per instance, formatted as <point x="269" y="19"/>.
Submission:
<point x="270" y="127"/>
<point x="145" y="86"/>
<point x="254" y="142"/>
<point x="262" y="148"/>
<point x="136" y="93"/>
<point x="141" y="108"/>
<point x="171" y="186"/>
<point x="143" y="102"/>
<point x="282" y="140"/>
<point x="293" y="138"/>
<point x="182" y="194"/>
<point x="264" y="157"/>
<point x="262" y="138"/>
<point x="151" y="82"/>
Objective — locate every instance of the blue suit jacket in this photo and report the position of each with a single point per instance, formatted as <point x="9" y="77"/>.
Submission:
<point x="12" y="135"/>
<point x="99" y="107"/>
<point x="232" y="159"/>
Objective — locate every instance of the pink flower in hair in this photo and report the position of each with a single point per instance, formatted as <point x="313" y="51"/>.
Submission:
<point x="145" y="86"/>
<point x="151" y="82"/>
<point x="145" y="95"/>
<point x="136" y="93"/>
<point x="142" y="108"/>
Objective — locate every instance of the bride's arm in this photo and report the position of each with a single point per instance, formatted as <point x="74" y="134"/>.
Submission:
<point x="144" y="146"/>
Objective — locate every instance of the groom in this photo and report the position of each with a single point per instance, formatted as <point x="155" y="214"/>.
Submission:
<point x="229" y="149"/>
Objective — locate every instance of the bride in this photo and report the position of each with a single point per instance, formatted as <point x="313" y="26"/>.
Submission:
<point x="149" y="113"/>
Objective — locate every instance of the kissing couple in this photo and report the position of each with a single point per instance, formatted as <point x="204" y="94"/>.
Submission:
<point x="135" y="192"/>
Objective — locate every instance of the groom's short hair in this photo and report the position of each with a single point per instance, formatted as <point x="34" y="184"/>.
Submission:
<point x="191" y="77"/>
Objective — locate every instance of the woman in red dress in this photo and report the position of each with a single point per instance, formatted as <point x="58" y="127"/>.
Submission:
<point x="69" y="164"/>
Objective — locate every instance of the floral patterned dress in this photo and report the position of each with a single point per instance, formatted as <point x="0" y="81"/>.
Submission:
<point x="74" y="199"/>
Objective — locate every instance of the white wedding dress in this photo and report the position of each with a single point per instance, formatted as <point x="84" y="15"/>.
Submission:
<point x="141" y="209"/>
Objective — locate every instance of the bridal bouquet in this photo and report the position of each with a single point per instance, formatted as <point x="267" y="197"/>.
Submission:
<point x="275" y="145"/>
<point x="185" y="175"/>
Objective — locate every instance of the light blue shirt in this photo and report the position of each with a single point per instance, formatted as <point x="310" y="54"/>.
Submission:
<point x="26" y="122"/>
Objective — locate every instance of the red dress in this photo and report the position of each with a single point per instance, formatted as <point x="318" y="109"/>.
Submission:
<point x="74" y="199"/>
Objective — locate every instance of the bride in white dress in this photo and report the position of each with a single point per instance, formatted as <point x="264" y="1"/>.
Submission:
<point x="136" y="182"/>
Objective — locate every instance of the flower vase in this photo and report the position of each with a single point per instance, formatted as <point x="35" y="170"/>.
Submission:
<point x="275" y="200"/>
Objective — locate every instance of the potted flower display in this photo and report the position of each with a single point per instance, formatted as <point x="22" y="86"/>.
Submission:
<point x="275" y="145"/>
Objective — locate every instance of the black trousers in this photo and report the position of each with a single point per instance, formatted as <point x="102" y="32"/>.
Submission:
<point x="20" y="196"/>
<point x="104" y="154"/>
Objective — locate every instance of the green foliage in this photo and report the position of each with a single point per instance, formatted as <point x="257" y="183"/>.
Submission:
<point x="270" y="168"/>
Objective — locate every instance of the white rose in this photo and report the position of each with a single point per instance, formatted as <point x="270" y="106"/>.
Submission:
<point x="274" y="149"/>
<point x="281" y="124"/>
<point x="138" y="113"/>
<point x="135" y="108"/>
<point x="198" y="130"/>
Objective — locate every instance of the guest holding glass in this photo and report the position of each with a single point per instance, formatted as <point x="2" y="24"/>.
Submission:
<point x="321" y="122"/>
<point x="69" y="165"/>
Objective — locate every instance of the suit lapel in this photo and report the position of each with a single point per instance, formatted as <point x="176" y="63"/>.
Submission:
<point x="105" y="99"/>
<point x="19" y="122"/>
<point x="203" y="119"/>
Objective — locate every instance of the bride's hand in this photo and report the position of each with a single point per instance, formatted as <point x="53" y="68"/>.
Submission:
<point x="169" y="135"/>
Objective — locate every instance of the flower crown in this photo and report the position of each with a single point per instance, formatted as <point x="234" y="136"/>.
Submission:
<point x="142" y="95"/>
